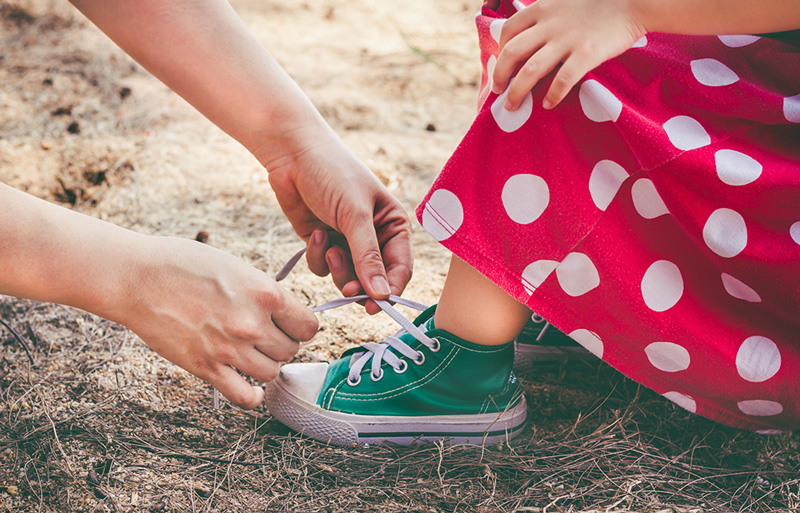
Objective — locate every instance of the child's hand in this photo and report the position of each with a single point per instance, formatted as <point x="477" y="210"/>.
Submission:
<point x="578" y="34"/>
<point x="211" y="313"/>
<point x="355" y="228"/>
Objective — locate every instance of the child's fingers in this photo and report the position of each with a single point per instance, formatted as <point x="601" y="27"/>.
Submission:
<point x="571" y="72"/>
<point x="540" y="64"/>
<point x="513" y="55"/>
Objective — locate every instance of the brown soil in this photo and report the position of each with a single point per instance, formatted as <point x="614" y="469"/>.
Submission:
<point x="100" y="423"/>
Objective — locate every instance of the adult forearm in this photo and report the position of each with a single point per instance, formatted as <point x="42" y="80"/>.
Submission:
<point x="712" y="17"/>
<point x="202" y="50"/>
<point x="53" y="254"/>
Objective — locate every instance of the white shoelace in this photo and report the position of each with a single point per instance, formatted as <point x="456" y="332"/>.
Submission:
<point x="376" y="352"/>
<point x="372" y="351"/>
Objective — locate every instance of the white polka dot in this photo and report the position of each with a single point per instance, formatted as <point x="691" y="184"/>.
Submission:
<point x="640" y="43"/>
<point x="739" y="290"/>
<point x="682" y="400"/>
<point x="518" y="5"/>
<point x="598" y="103"/>
<point x="496" y="27"/>
<point x="646" y="199"/>
<point x="667" y="356"/>
<point x="758" y="359"/>
<point x="525" y="197"/>
<point x="443" y="214"/>
<point x="760" y="408"/>
<point x="577" y="275"/>
<point x="711" y="72"/>
<point x="535" y="274"/>
<point x="794" y="232"/>
<point x="686" y="133"/>
<point x="490" y="65"/>
<point x="589" y="340"/>
<point x="738" y="41"/>
<point x="725" y="232"/>
<point x="662" y="286"/>
<point x="791" y="108"/>
<point x="604" y="182"/>
<point x="769" y="431"/>
<point x="509" y="121"/>
<point x="735" y="168"/>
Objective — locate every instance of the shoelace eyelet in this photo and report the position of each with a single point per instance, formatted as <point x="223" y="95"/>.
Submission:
<point x="421" y="359"/>
<point x="402" y="368"/>
<point x="373" y="377"/>
<point x="355" y="382"/>
<point x="436" y="346"/>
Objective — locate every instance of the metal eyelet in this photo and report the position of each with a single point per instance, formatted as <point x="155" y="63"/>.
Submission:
<point x="436" y="346"/>
<point x="421" y="359"/>
<point x="354" y="383"/>
<point x="376" y="378"/>
<point x="403" y="367"/>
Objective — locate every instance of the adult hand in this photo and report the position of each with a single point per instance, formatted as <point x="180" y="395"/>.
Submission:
<point x="577" y="34"/>
<point x="213" y="314"/>
<point x="355" y="228"/>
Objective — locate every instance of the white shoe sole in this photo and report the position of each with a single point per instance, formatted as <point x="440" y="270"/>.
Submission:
<point x="347" y="428"/>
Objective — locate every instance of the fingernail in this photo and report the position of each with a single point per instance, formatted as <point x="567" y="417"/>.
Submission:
<point x="508" y="105"/>
<point x="496" y="89"/>
<point x="380" y="285"/>
<point x="319" y="235"/>
<point x="547" y="104"/>
<point x="335" y="260"/>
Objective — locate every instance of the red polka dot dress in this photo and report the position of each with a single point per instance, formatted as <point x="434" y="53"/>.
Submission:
<point x="654" y="215"/>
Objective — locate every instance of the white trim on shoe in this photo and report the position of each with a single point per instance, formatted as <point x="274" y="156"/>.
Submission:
<point x="295" y="410"/>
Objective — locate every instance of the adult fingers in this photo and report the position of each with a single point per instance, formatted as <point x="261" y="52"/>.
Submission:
<point x="236" y="388"/>
<point x="290" y="316"/>
<point x="398" y="260"/>
<point x="341" y="267"/>
<point x="257" y="365"/>
<point x="366" y="253"/>
<point x="315" y="256"/>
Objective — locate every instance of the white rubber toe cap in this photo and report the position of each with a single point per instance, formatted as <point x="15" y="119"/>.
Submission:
<point x="303" y="380"/>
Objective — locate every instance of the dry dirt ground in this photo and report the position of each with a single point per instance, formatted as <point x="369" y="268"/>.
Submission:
<point x="100" y="423"/>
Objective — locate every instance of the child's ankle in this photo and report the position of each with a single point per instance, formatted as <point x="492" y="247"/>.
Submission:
<point x="484" y="334"/>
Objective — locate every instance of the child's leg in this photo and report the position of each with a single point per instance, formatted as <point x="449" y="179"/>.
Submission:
<point x="473" y="308"/>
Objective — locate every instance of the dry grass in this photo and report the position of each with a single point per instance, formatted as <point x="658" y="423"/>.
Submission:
<point x="82" y="430"/>
<point x="100" y="423"/>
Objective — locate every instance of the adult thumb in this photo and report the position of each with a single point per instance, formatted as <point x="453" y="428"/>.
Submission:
<point x="367" y="259"/>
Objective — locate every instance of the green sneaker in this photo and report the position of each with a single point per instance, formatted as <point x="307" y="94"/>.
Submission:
<point x="540" y="342"/>
<point x="423" y="384"/>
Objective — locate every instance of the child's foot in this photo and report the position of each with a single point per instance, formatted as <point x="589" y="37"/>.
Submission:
<point x="540" y="341"/>
<point x="423" y="384"/>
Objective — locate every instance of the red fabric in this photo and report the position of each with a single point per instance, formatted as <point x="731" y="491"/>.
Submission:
<point x="654" y="215"/>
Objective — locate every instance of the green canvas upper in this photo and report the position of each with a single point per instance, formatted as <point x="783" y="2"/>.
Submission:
<point x="459" y="378"/>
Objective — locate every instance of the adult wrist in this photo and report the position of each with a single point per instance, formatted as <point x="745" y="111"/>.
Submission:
<point x="278" y="149"/>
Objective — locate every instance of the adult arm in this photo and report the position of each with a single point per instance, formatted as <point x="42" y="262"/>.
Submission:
<point x="582" y="34"/>
<point x="202" y="50"/>
<point x="199" y="307"/>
